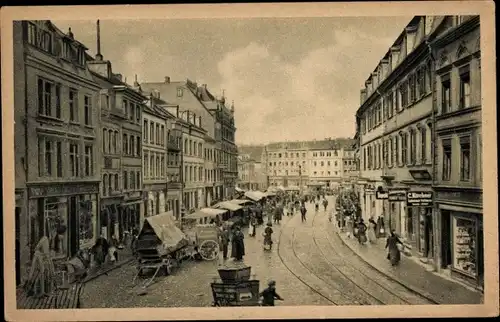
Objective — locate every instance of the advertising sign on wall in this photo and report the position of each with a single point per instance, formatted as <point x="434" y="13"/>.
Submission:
<point x="383" y="195"/>
<point x="419" y="198"/>
<point x="397" y="194"/>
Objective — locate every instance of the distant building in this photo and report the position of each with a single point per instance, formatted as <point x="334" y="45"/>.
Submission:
<point x="251" y="169"/>
<point x="306" y="163"/>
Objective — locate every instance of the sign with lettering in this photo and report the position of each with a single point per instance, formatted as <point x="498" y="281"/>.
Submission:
<point x="63" y="190"/>
<point x="383" y="195"/>
<point x="419" y="198"/>
<point x="397" y="194"/>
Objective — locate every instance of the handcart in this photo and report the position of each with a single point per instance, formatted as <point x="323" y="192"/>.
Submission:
<point x="160" y="246"/>
<point x="235" y="287"/>
<point x="204" y="238"/>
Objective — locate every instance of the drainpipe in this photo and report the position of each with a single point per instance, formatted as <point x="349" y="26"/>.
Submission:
<point x="436" y="223"/>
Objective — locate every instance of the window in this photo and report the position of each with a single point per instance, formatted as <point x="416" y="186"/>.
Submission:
<point x="104" y="140"/>
<point x="46" y="41"/>
<point x="404" y="94"/>
<point x="73" y="105"/>
<point x="125" y="144"/>
<point x="152" y="133"/>
<point x="179" y="92"/>
<point x="397" y="100"/>
<point x="328" y="163"/>
<point x="31" y="33"/>
<point x="423" y="145"/>
<point x="322" y="163"/>
<point x="59" y="162"/>
<point x="395" y="150"/>
<point x="152" y="166"/>
<point x="145" y="131"/>
<point x="74" y="157"/>
<point x="138" y="143"/>
<point x="390" y="105"/>
<point x="132" y="145"/>
<point x="132" y="180"/>
<point x="446" y="160"/>
<point x="104" y="184"/>
<point x="125" y="180"/>
<point x="58" y="101"/>
<point x="385" y="150"/>
<point x="162" y="135"/>
<point x="445" y="94"/>
<point x="138" y="179"/>
<point x="413" y="146"/>
<point x="413" y="87"/>
<point x="464" y="87"/>
<point x="138" y="113"/>
<point x="87" y="110"/>
<point x="117" y="184"/>
<point x="390" y="152"/>
<point x="45" y="89"/>
<point x="88" y="160"/>
<point x="404" y="148"/>
<point x="146" y="164"/>
<point x="465" y="166"/>
<point x="132" y="111"/>
<point x="421" y="84"/>
<point x="125" y="106"/>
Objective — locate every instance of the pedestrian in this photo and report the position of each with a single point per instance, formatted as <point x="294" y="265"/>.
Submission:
<point x="253" y="226"/>
<point x="395" y="246"/>
<point x="362" y="232"/>
<point x="238" y="245"/>
<point x="224" y="241"/>
<point x="325" y="203"/>
<point x="372" y="229"/>
<point x="349" y="225"/>
<point x="269" y="294"/>
<point x="303" y="212"/>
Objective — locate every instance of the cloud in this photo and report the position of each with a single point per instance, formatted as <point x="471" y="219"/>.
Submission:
<point x="311" y="99"/>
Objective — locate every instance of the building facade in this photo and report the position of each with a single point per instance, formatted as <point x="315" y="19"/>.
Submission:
<point x="458" y="149"/>
<point x="57" y="115"/>
<point x="325" y="164"/>
<point x="154" y="151"/>
<point x="252" y="162"/>
<point x="350" y="164"/>
<point x="247" y="178"/>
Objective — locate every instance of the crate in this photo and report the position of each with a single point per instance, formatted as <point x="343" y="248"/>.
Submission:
<point x="243" y="293"/>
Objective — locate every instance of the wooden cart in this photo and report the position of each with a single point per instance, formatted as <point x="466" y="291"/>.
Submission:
<point x="160" y="246"/>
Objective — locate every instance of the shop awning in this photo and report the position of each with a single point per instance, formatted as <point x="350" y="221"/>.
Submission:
<point x="270" y="193"/>
<point x="228" y="205"/>
<point x="239" y="189"/>
<point x="206" y="212"/>
<point x="254" y="195"/>
<point x="240" y="201"/>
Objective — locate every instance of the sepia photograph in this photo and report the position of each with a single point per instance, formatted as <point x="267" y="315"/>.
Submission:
<point x="191" y="158"/>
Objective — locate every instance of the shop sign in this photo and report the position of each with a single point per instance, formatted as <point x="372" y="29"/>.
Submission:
<point x="63" y="190"/>
<point x="397" y="194"/>
<point x="383" y="195"/>
<point x="419" y="198"/>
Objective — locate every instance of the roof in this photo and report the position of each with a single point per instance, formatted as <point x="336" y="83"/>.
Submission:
<point x="327" y="144"/>
<point x="206" y="212"/>
<point x="254" y="195"/>
<point x="254" y="151"/>
<point x="239" y="201"/>
<point x="164" y="227"/>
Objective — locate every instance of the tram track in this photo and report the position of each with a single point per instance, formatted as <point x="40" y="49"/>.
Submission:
<point x="349" y="266"/>
<point x="347" y="271"/>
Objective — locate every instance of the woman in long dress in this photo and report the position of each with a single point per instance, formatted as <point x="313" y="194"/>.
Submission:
<point x="394" y="254"/>
<point x="372" y="228"/>
<point x="350" y="226"/>
<point x="362" y="231"/>
<point x="238" y="246"/>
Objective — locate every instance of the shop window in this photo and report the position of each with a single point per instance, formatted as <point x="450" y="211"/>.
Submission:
<point x="465" y="165"/>
<point x="86" y="227"/>
<point x="55" y="222"/>
<point x="465" y="245"/>
<point x="464" y="87"/>
<point x="445" y="94"/>
<point x="446" y="160"/>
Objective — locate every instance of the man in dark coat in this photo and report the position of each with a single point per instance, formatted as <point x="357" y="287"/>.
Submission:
<point x="224" y="241"/>
<point x="238" y="245"/>
<point x="269" y="294"/>
<point x="303" y="213"/>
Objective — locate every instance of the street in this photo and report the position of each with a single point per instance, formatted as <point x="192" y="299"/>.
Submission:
<point x="309" y="262"/>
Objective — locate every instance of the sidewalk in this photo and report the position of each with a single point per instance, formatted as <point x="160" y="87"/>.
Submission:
<point x="412" y="275"/>
<point x="124" y="257"/>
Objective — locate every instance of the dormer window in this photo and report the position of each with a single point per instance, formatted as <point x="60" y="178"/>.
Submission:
<point x="31" y="33"/>
<point x="46" y="41"/>
<point x="179" y="92"/>
<point x="81" y="56"/>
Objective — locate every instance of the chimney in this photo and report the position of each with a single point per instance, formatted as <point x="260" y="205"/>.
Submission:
<point x="167" y="80"/>
<point x="98" y="56"/>
<point x="136" y="84"/>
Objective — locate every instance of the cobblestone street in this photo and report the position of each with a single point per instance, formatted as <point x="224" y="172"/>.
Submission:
<point x="310" y="263"/>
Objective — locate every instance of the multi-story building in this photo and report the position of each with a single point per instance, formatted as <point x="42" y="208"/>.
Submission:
<point x="396" y="135"/>
<point x="458" y="151"/>
<point x="251" y="168"/>
<point x="57" y="139"/>
<point x="154" y="151"/>
<point x="308" y="163"/>
<point x="325" y="164"/>
<point x="349" y="164"/>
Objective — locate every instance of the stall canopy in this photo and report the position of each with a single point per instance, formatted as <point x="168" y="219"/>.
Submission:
<point x="254" y="195"/>
<point x="206" y="212"/>
<point x="165" y="229"/>
<point x="292" y="188"/>
<point x="228" y="205"/>
<point x="240" y="202"/>
<point x="239" y="189"/>
<point x="270" y="193"/>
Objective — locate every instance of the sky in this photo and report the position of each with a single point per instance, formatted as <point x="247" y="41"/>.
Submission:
<point x="290" y="78"/>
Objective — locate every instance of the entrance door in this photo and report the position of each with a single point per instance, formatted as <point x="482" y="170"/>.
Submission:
<point x="18" y="246"/>
<point x="446" y="239"/>
<point x="429" y="236"/>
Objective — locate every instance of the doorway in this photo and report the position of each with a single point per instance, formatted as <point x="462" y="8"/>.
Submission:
<point x="446" y="239"/>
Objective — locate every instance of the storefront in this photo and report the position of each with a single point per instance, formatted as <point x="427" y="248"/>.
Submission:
<point x="419" y="223"/>
<point x="396" y="204"/>
<point x="66" y="214"/>
<point x="155" y="201"/>
<point x="461" y="249"/>
<point x="109" y="216"/>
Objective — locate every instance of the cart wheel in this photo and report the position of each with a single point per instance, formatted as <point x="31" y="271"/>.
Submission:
<point x="209" y="250"/>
